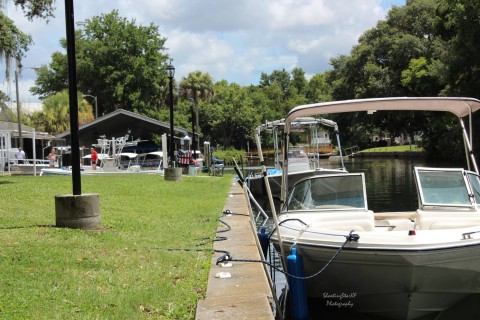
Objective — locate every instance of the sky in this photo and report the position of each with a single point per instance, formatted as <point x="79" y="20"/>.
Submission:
<point x="235" y="41"/>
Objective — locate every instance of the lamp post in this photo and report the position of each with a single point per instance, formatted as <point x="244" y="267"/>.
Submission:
<point x="95" y="101"/>
<point x="20" y="139"/>
<point x="171" y="74"/>
<point x="193" y="129"/>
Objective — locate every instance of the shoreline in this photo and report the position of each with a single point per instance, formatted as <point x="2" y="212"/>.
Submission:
<point x="389" y="154"/>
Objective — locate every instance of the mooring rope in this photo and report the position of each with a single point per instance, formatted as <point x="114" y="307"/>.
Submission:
<point x="226" y="257"/>
<point x="351" y="237"/>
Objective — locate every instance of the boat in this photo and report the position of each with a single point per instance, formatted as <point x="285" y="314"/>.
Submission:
<point x="300" y="164"/>
<point x="112" y="160"/>
<point x="386" y="265"/>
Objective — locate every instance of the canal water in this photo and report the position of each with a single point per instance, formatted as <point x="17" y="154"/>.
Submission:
<point x="390" y="182"/>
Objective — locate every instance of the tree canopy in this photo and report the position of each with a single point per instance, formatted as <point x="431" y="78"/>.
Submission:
<point x="13" y="42"/>
<point x="119" y="62"/>
<point x="55" y="116"/>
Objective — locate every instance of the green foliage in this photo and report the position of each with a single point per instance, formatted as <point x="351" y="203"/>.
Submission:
<point x="118" y="61"/>
<point x="36" y="8"/>
<point x="374" y="67"/>
<point x="230" y="117"/>
<point x="230" y="154"/>
<point x="55" y="115"/>
<point x="3" y="96"/>
<point x="197" y="86"/>
<point x="13" y="43"/>
<point x="458" y="23"/>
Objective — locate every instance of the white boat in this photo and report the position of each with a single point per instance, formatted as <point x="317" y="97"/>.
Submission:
<point x="112" y="160"/>
<point x="299" y="164"/>
<point x="402" y="265"/>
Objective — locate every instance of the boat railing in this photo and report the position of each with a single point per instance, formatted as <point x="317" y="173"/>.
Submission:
<point x="29" y="162"/>
<point x="351" y="151"/>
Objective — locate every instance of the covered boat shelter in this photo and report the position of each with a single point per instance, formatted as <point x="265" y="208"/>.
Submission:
<point x="35" y="144"/>
<point x="119" y="123"/>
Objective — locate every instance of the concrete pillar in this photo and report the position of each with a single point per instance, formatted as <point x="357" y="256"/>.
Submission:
<point x="78" y="211"/>
<point x="173" y="174"/>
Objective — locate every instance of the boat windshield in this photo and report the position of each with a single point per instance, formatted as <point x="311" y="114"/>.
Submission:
<point x="444" y="187"/>
<point x="326" y="192"/>
<point x="475" y="183"/>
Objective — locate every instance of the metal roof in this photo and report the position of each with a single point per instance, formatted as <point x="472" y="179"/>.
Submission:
<point x="118" y="122"/>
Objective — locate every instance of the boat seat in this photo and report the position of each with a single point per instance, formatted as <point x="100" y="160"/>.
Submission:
<point x="397" y="224"/>
<point x="439" y="219"/>
<point x="346" y="220"/>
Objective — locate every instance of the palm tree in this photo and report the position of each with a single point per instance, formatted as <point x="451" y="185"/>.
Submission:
<point x="197" y="86"/>
<point x="55" y="115"/>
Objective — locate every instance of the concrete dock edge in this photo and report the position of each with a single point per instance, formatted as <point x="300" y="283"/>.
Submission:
<point x="246" y="294"/>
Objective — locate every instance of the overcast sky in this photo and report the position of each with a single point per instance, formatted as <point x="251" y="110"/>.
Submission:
<point x="231" y="40"/>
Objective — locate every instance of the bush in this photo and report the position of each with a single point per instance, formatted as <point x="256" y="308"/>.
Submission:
<point x="230" y="154"/>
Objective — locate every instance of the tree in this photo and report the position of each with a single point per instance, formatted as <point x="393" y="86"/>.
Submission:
<point x="55" y="116"/>
<point x="231" y="117"/>
<point x="458" y="25"/>
<point x="298" y="80"/>
<point x="374" y="67"/>
<point x="36" y="8"/>
<point x="197" y="86"/>
<point x="13" y="45"/>
<point x="118" y="61"/>
<point x="13" y="42"/>
<point x="399" y="57"/>
<point x="318" y="90"/>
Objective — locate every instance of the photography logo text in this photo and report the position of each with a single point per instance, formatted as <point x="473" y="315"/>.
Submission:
<point x="339" y="300"/>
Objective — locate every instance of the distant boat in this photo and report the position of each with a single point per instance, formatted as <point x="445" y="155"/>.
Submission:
<point x="113" y="161"/>
<point x="299" y="164"/>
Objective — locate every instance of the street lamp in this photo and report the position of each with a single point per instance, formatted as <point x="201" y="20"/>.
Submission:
<point x="95" y="101"/>
<point x="171" y="74"/>
<point x="20" y="139"/>
<point x="193" y="129"/>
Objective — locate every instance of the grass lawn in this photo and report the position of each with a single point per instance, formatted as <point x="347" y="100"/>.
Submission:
<point x="124" y="270"/>
<point x="395" y="149"/>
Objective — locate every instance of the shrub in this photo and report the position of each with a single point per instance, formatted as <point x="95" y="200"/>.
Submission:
<point x="229" y="154"/>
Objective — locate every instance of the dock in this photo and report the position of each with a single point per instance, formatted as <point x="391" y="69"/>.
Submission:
<point x="246" y="294"/>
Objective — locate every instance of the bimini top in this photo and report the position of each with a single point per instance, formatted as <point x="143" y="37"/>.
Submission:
<point x="459" y="106"/>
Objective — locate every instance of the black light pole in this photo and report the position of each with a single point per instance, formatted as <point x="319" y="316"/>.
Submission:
<point x="171" y="74"/>
<point x="72" y="89"/>
<point x="193" y="129"/>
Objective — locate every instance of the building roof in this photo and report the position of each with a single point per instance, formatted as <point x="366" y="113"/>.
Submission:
<point x="27" y="132"/>
<point x="117" y="123"/>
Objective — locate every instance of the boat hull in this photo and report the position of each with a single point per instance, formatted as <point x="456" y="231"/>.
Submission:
<point x="394" y="284"/>
<point x="56" y="172"/>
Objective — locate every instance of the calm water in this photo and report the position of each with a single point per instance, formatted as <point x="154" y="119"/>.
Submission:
<point x="390" y="182"/>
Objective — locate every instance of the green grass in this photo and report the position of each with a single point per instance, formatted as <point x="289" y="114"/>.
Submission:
<point x="394" y="149"/>
<point x="124" y="270"/>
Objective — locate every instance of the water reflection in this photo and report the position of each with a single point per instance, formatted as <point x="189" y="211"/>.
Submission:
<point x="390" y="182"/>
